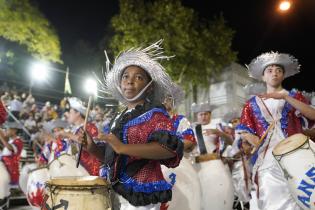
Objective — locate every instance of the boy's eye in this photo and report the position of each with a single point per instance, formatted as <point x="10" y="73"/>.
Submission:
<point x="139" y="78"/>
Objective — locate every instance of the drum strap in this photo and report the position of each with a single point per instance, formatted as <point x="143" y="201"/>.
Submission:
<point x="257" y="175"/>
<point x="261" y="140"/>
<point x="201" y="141"/>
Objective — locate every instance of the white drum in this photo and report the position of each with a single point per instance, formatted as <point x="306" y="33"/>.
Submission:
<point x="216" y="185"/>
<point x="4" y="181"/>
<point x="36" y="186"/>
<point x="24" y="176"/>
<point x="65" y="165"/>
<point x="186" y="193"/>
<point x="78" y="193"/>
<point x="295" y="156"/>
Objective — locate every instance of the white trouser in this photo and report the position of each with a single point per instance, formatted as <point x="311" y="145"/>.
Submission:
<point x="125" y="205"/>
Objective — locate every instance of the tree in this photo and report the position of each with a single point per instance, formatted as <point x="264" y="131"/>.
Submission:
<point x="202" y="48"/>
<point x="23" y="23"/>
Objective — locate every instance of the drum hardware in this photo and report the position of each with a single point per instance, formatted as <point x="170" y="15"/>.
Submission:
<point x="60" y="163"/>
<point x="296" y="159"/>
<point x="286" y="174"/>
<point x="88" y="192"/>
<point x="206" y="157"/>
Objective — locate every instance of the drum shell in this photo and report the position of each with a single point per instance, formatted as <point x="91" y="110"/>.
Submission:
<point x="81" y="197"/>
<point x="4" y="181"/>
<point x="24" y="176"/>
<point x="65" y="165"/>
<point x="295" y="166"/>
<point x="36" y="186"/>
<point x="186" y="193"/>
<point x="216" y="185"/>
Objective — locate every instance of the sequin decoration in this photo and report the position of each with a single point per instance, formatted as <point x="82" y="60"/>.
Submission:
<point x="12" y="161"/>
<point x="137" y="131"/>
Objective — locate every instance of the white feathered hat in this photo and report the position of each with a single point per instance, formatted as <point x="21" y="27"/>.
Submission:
<point x="77" y="104"/>
<point x="259" y="64"/>
<point x="202" y="107"/>
<point x="58" y="123"/>
<point x="147" y="59"/>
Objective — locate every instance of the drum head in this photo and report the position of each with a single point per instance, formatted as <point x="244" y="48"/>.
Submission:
<point x="289" y="144"/>
<point x="78" y="181"/>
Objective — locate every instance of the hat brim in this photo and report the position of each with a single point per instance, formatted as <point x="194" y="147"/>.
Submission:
<point x="258" y="65"/>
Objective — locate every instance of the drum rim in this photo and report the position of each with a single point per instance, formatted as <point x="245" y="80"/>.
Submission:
<point x="287" y="152"/>
<point x="65" y="154"/>
<point x="67" y="181"/>
<point x="38" y="168"/>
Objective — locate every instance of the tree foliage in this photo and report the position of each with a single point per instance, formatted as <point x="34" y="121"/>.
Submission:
<point x="23" y="23"/>
<point x="201" y="47"/>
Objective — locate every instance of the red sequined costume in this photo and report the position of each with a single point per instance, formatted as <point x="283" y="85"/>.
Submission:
<point x="271" y="188"/>
<point x="60" y="146"/>
<point x="3" y="114"/>
<point x="88" y="161"/>
<point x="183" y="127"/>
<point x="140" y="181"/>
<point x="11" y="159"/>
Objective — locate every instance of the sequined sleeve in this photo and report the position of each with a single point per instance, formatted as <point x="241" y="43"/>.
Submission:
<point x="3" y="113"/>
<point x="185" y="130"/>
<point x="164" y="134"/>
<point x="92" y="130"/>
<point x="247" y="122"/>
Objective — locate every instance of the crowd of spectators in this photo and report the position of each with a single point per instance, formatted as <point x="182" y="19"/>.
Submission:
<point x="32" y="114"/>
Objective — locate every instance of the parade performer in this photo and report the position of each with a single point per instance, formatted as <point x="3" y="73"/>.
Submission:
<point x="237" y="160"/>
<point x="181" y="123"/>
<point x="11" y="152"/>
<point x="5" y="177"/>
<point x="213" y="135"/>
<point x="3" y="113"/>
<point x="76" y="116"/>
<point x="142" y="137"/>
<point x="266" y="120"/>
<point x="214" y="176"/>
<point x="187" y="190"/>
<point x="55" y="145"/>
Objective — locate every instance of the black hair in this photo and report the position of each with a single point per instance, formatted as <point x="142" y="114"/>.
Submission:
<point x="278" y="65"/>
<point x="146" y="73"/>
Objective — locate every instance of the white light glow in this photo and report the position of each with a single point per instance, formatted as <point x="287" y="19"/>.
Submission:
<point x="91" y="86"/>
<point x="284" y="5"/>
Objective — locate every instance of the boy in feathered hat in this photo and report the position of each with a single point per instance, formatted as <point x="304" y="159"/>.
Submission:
<point x="11" y="152"/>
<point x="10" y="156"/>
<point x="142" y="136"/>
<point x="76" y="116"/>
<point x="55" y="146"/>
<point x="266" y="120"/>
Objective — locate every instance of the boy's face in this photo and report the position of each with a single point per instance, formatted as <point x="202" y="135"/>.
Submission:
<point x="133" y="80"/>
<point x="73" y="116"/>
<point x="204" y="118"/>
<point x="273" y="75"/>
<point x="11" y="132"/>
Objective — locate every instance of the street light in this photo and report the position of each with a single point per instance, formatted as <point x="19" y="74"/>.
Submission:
<point x="91" y="86"/>
<point x="39" y="72"/>
<point x="284" y="5"/>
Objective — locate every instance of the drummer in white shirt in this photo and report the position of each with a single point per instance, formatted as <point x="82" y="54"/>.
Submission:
<point x="215" y="178"/>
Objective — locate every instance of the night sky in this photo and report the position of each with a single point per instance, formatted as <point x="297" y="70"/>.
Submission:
<point x="259" y="28"/>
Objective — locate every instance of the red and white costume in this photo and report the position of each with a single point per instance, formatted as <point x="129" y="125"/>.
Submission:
<point x="271" y="190"/>
<point x="11" y="159"/>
